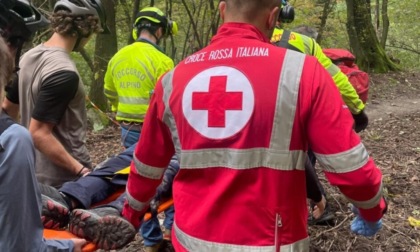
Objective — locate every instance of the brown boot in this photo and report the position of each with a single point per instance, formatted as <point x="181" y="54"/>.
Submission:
<point x="103" y="226"/>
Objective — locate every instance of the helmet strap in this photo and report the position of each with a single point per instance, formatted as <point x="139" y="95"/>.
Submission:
<point x="79" y="39"/>
<point x="17" y="58"/>
<point x="157" y="39"/>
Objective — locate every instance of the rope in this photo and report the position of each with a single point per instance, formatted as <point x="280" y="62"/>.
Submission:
<point x="100" y="111"/>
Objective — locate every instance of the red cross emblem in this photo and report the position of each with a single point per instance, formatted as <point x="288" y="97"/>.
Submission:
<point x="217" y="101"/>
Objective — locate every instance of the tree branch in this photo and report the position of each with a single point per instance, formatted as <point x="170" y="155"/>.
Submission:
<point x="87" y="58"/>
<point x="404" y="47"/>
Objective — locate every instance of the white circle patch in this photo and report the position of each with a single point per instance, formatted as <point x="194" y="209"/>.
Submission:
<point x="218" y="102"/>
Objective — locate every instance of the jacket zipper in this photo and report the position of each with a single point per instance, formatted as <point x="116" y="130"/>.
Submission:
<point x="278" y="225"/>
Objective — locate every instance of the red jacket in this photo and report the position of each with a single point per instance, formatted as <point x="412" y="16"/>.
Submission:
<point x="240" y="114"/>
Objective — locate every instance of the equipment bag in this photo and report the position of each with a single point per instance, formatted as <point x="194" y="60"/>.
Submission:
<point x="345" y="60"/>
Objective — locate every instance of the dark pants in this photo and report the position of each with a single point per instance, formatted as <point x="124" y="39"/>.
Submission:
<point x="102" y="182"/>
<point x="98" y="185"/>
<point x="313" y="185"/>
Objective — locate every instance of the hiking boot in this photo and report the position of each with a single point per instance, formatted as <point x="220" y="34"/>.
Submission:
<point x="55" y="210"/>
<point x="103" y="226"/>
<point x="327" y="218"/>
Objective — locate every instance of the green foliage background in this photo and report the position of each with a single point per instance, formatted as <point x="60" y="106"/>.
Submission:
<point x="403" y="41"/>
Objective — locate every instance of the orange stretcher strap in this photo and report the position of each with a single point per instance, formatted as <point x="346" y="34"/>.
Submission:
<point x="162" y="207"/>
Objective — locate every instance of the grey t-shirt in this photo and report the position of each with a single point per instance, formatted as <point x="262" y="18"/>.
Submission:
<point x="37" y="66"/>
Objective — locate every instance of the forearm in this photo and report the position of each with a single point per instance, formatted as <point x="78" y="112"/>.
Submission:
<point x="363" y="188"/>
<point x="54" y="150"/>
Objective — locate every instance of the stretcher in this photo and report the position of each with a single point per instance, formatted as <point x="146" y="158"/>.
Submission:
<point x="90" y="247"/>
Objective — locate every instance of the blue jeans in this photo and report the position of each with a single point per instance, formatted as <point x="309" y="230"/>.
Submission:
<point x="151" y="231"/>
<point x="129" y="137"/>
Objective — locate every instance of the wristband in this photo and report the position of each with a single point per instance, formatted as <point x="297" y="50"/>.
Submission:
<point x="80" y="171"/>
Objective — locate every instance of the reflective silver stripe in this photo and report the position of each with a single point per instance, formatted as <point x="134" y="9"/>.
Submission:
<point x="242" y="159"/>
<point x="168" y="117"/>
<point x="149" y="74"/>
<point x="333" y="70"/>
<point x="135" y="204"/>
<point x="347" y="161"/>
<point x="299" y="246"/>
<point x="152" y="64"/>
<point x="194" y="244"/>
<point x="115" y="66"/>
<point x="134" y="100"/>
<point x="110" y="93"/>
<point x="368" y="203"/>
<point x="287" y="100"/>
<point x="148" y="171"/>
<point x="131" y="116"/>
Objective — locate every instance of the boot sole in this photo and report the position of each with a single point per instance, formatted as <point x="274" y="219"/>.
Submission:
<point x="54" y="214"/>
<point x="107" y="232"/>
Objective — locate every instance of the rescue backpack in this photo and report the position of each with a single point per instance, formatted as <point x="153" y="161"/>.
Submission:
<point x="345" y="60"/>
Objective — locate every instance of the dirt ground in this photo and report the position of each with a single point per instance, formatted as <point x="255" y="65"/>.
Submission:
<point x="392" y="139"/>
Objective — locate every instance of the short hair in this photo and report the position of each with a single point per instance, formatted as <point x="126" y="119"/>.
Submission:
<point x="306" y="30"/>
<point x="68" y="24"/>
<point x="7" y="64"/>
<point x="250" y="7"/>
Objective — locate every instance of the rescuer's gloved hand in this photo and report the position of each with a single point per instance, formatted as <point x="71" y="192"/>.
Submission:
<point x="362" y="227"/>
<point x="361" y="121"/>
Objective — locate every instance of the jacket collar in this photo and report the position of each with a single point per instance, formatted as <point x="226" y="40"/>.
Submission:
<point x="239" y="30"/>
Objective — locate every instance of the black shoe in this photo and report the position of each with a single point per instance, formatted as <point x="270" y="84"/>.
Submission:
<point x="103" y="226"/>
<point x="327" y="218"/>
<point x="55" y="210"/>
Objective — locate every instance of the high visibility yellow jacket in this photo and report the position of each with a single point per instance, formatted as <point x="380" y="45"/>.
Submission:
<point x="309" y="46"/>
<point x="131" y="77"/>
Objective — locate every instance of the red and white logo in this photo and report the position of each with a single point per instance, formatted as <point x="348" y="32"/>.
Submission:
<point x="218" y="102"/>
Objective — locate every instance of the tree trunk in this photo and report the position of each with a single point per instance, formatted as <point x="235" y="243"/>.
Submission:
<point x="369" y="53"/>
<point x="385" y="22"/>
<point x="105" y="48"/>
<point x="328" y="6"/>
